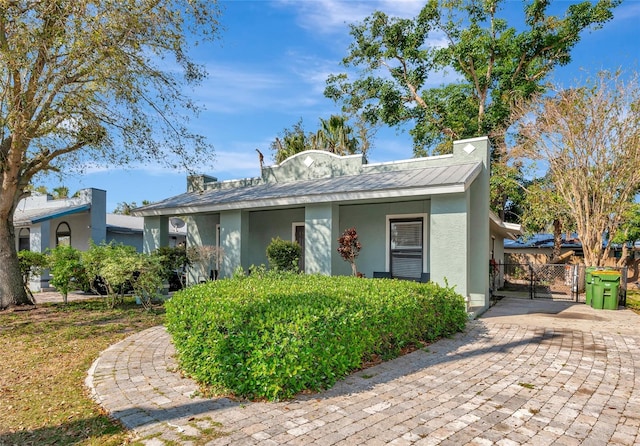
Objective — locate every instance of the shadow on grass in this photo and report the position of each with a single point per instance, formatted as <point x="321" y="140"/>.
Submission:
<point x="100" y="429"/>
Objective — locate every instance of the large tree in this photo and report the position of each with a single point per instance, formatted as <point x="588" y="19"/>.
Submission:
<point x="495" y="64"/>
<point x="588" y="138"/>
<point x="92" y="81"/>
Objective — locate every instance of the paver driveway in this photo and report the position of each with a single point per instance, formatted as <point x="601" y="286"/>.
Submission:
<point x="527" y="372"/>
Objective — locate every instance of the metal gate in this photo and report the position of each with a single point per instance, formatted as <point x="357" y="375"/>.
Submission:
<point x="545" y="281"/>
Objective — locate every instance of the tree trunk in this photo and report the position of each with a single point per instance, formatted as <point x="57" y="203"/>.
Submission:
<point x="624" y="256"/>
<point x="12" y="290"/>
<point x="557" y="241"/>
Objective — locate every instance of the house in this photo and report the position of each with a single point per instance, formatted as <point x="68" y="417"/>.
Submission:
<point x="538" y="248"/>
<point x="416" y="218"/>
<point x="42" y="222"/>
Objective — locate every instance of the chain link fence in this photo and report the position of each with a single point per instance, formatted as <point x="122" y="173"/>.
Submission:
<point x="545" y="281"/>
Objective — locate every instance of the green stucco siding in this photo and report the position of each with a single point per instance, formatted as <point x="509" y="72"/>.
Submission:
<point x="370" y="221"/>
<point x="201" y="232"/>
<point x="449" y="245"/>
<point x="155" y="233"/>
<point x="267" y="225"/>
<point x="321" y="235"/>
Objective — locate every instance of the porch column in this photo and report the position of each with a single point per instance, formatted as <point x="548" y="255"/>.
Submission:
<point x="40" y="241"/>
<point x="234" y="240"/>
<point x="321" y="237"/>
<point x="201" y="231"/>
<point x="449" y="241"/>
<point x="155" y="233"/>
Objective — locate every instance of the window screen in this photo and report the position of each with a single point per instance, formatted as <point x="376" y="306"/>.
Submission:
<point x="406" y="248"/>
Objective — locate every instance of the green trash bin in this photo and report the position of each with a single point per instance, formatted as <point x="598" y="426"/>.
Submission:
<point x="588" y="286"/>
<point x="597" y="298"/>
<point x="610" y="281"/>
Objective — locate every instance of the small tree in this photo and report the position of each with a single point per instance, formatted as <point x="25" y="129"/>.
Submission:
<point x="65" y="264"/>
<point x="350" y="248"/>
<point x="283" y="254"/>
<point x="207" y="257"/>
<point x="172" y="261"/>
<point x="111" y="266"/>
<point x="31" y="264"/>
<point x="147" y="278"/>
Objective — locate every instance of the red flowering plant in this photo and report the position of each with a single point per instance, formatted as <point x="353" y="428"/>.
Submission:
<point x="350" y="248"/>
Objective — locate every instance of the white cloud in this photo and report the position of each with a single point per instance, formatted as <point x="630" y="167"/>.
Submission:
<point x="236" y="88"/>
<point x="332" y="16"/>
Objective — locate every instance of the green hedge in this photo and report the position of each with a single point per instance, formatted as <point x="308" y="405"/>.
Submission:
<point x="272" y="336"/>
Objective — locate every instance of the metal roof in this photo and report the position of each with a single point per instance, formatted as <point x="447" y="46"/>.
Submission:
<point x="373" y="185"/>
<point x="542" y="241"/>
<point x="38" y="215"/>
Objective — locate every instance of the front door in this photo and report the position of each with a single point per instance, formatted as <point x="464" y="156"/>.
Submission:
<point x="299" y="237"/>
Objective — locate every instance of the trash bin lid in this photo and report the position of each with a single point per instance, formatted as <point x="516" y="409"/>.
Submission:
<point x="607" y="275"/>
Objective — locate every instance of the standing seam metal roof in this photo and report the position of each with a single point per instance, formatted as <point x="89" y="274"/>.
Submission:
<point x="365" y="182"/>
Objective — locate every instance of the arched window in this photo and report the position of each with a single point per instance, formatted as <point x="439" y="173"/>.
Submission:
<point x="63" y="234"/>
<point x="23" y="240"/>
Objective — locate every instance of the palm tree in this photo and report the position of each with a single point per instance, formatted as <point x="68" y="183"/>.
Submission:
<point x="60" y="192"/>
<point x="336" y="136"/>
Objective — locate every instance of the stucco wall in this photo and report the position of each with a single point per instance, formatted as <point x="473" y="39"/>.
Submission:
<point x="267" y="225"/>
<point x="370" y="221"/>
<point x="134" y="240"/>
<point x="80" y="230"/>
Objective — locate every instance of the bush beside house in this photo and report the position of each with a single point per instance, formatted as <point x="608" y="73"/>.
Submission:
<point x="283" y="254"/>
<point x="271" y="336"/>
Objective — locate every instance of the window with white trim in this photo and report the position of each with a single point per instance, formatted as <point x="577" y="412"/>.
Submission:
<point x="406" y="248"/>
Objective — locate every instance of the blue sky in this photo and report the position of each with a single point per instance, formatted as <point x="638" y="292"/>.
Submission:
<point x="268" y="70"/>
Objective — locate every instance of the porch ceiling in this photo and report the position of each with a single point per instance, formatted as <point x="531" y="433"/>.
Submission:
<point x="426" y="181"/>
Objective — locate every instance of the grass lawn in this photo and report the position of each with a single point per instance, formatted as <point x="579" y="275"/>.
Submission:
<point x="46" y="353"/>
<point x="633" y="300"/>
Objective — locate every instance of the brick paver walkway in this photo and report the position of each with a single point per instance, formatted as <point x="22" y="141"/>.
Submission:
<point x="521" y="379"/>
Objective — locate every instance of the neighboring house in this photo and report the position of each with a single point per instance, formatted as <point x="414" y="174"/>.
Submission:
<point x="538" y="249"/>
<point x="42" y="222"/>
<point x="416" y="219"/>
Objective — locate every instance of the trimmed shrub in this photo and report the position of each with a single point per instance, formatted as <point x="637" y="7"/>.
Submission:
<point x="272" y="336"/>
<point x="283" y="254"/>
